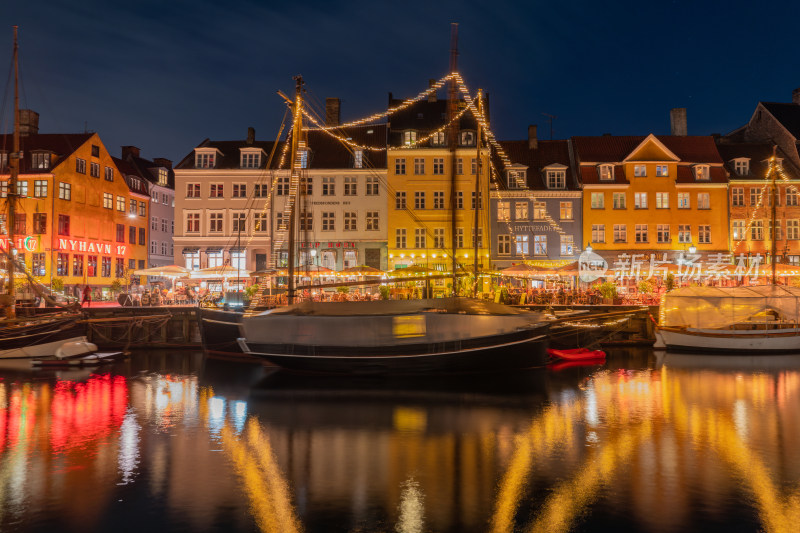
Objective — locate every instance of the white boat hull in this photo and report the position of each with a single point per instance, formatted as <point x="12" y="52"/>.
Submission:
<point x="46" y="349"/>
<point x="731" y="342"/>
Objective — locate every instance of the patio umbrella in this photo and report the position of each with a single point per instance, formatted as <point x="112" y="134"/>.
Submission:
<point x="362" y="270"/>
<point x="224" y="271"/>
<point x="412" y="271"/>
<point x="570" y="269"/>
<point x="522" y="271"/>
<point x="169" y="271"/>
<point x="313" y="270"/>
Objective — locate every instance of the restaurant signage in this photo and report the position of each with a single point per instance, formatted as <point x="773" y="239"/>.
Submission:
<point x="327" y="244"/>
<point x="78" y="245"/>
<point x="29" y="243"/>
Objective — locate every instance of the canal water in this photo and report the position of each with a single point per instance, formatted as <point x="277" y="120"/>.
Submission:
<point x="176" y="441"/>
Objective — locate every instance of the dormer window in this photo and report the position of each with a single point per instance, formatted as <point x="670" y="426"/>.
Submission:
<point x="466" y="138"/>
<point x="358" y="159"/>
<point x="40" y="160"/>
<point x="162" y="176"/>
<point x="517" y="179"/>
<point x="251" y="160"/>
<point x="205" y="159"/>
<point x="437" y="139"/>
<point x="741" y="166"/>
<point x="556" y="179"/>
<point x="409" y="137"/>
<point x="702" y="172"/>
<point x="606" y="172"/>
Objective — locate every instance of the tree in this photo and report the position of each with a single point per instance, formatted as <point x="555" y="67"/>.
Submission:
<point x="57" y="284"/>
<point x="608" y="290"/>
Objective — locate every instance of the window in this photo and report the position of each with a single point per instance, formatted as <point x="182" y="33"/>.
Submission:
<point x="662" y="233"/>
<point x="503" y="210"/>
<point x="459" y="199"/>
<point x="737" y="196"/>
<point x="40" y="223"/>
<point x="121" y="203"/>
<point x="350" y="186"/>
<point x="279" y="223"/>
<point x="516" y="179"/>
<point x="400" y="199"/>
<point x="239" y="259"/>
<point x="703" y="200"/>
<point x="520" y="210"/>
<point x="539" y="210"/>
<point x="791" y="197"/>
<point x="328" y="186"/>
<point x="20" y="225"/>
<point x="120" y="265"/>
<point x="94" y="169"/>
<point x="214" y="258"/>
<point x="702" y="172"/>
<point x="77" y="265"/>
<point x="215" y="222"/>
<point x="419" y="238"/>
<point x="460" y="166"/>
<point x="162" y="176"/>
<point x="419" y="165"/>
<point x="540" y="245"/>
<point x="192" y="222"/>
<point x="438" y="237"/>
<point x="303" y="153"/>
<point x="132" y="235"/>
<point x="358" y="159"/>
<point x="620" y="233"/>
<point x="153" y="247"/>
<point x="80" y="165"/>
<point x="120" y="232"/>
<point x="239" y="222"/>
<point x="282" y="188"/>
<point x="349" y="221"/>
<point x="757" y="230"/>
<point x="438" y="199"/>
<point x="480" y="200"/>
<point x="438" y="165"/>
<point x="106" y="263"/>
<point x="662" y="171"/>
<point x="598" y="200"/>
<point x="38" y="263"/>
<point x="737" y="228"/>
<point x="556" y="179"/>
<point x="437" y="139"/>
<point x="619" y="200"/>
<point x="328" y="221"/>
<point x="419" y="200"/>
<point x="372" y="221"/>
<point x="109" y="173"/>
<point x="640" y="200"/>
<point x="306" y="186"/>
<point x="565" y="210"/>
<point x="204" y="160"/>
<point x="466" y="138"/>
<point x="91" y="266"/>
<point x="261" y="190"/>
<point x="62" y="265"/>
<point x="239" y="190"/>
<point x="95" y="151"/>
<point x="480" y="238"/>
<point x="192" y="260"/>
<point x="598" y="233"/>
<point x="606" y="172"/>
<point x="473" y="166"/>
<point x="164" y="225"/>
<point x="756" y="196"/>
<point x="400" y="238"/>
<point x="639" y="171"/>
<point x="142" y="209"/>
<point x="132" y="206"/>
<point x="683" y="200"/>
<point x="793" y="229"/>
<point x="306" y="222"/>
<point x="704" y="234"/>
<point x="409" y="137"/>
<point x="641" y="233"/>
<point x="567" y="245"/>
<point x="40" y="160"/>
<point x="400" y="165"/>
<point x="22" y="189"/>
<point x="521" y="244"/>
<point x="662" y="200"/>
<point x="216" y="190"/>
<point x="777" y="236"/>
<point x="741" y="167"/>
<point x="459" y="237"/>
<point x="504" y="244"/>
<point x="40" y="189"/>
<point x="108" y="200"/>
<point x="3" y="189"/>
<point x="251" y="160"/>
<point x="142" y="236"/>
<point x="154" y="196"/>
<point x="260" y="222"/>
<point x="372" y="186"/>
<point x="684" y="233"/>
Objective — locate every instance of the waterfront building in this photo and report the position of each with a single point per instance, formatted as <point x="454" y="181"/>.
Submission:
<point x="78" y="223"/>
<point x="222" y="190"/>
<point x="651" y="196"/>
<point x="750" y="197"/>
<point x="158" y="180"/>
<point x="421" y="172"/>
<point x="536" y="205"/>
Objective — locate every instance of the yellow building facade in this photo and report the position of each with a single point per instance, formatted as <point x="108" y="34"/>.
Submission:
<point x="78" y="223"/>
<point x="653" y="195"/>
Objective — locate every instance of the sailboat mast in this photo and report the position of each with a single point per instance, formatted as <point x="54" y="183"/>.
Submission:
<point x="297" y="130"/>
<point x="13" y="164"/>
<point x="477" y="192"/>
<point x="774" y="193"/>
<point x="452" y="142"/>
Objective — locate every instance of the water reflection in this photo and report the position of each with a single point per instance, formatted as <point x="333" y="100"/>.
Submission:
<point x="679" y="442"/>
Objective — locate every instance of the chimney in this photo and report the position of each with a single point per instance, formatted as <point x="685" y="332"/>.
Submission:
<point x="129" y="150"/>
<point x="533" y="142"/>
<point x="432" y="97"/>
<point x="677" y="121"/>
<point x="796" y="96"/>
<point x="332" y="106"/>
<point x="251" y="135"/>
<point x="28" y="122"/>
<point x="162" y="162"/>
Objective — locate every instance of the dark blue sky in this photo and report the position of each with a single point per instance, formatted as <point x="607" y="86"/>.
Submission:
<point x="165" y="74"/>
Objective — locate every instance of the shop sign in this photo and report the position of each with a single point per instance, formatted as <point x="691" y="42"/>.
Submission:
<point x="343" y="244"/>
<point x="520" y="228"/>
<point x="78" y="245"/>
<point x="28" y="243"/>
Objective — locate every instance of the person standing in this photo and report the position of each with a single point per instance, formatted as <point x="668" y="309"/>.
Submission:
<point x="87" y="296"/>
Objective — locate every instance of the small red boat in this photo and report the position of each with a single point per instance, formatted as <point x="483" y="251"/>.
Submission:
<point x="577" y="354"/>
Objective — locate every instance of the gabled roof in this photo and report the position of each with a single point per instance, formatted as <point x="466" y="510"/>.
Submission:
<point x="128" y="170"/>
<point x="425" y="117"/>
<point x="787" y="114"/>
<point x="60" y="144"/>
<point x="547" y="153"/>
<point x="615" y="149"/>
<point x="652" y="142"/>
<point x="229" y="153"/>
<point x="758" y="154"/>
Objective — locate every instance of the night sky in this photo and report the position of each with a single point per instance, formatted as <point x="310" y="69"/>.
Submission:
<point x="165" y="74"/>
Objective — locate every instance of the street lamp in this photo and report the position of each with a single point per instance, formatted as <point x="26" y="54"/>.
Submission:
<point x="588" y="248"/>
<point x="692" y="248"/>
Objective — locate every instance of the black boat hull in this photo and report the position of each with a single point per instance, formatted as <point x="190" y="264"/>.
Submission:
<point x="501" y="353"/>
<point x="39" y="339"/>
<point x="219" y="330"/>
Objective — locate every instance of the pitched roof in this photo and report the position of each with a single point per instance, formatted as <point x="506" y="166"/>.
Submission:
<point x="229" y="153"/>
<point x="425" y="116"/>
<point x="137" y="185"/>
<point x="614" y="149"/>
<point x="758" y="154"/>
<point x="60" y="144"/>
<point x="787" y="114"/>
<point x="545" y="154"/>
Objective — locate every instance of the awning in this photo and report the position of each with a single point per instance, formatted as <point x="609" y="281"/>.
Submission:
<point x="236" y="250"/>
<point x="214" y="250"/>
<point x="191" y="250"/>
